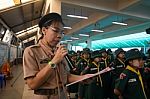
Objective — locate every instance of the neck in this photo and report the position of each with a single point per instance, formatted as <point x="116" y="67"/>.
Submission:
<point x="122" y="59"/>
<point x="136" y="68"/>
<point x="46" y="43"/>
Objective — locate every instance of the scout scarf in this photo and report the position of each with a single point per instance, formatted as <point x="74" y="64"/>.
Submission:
<point x="121" y="62"/>
<point x="140" y="78"/>
<point x="87" y="61"/>
<point x="105" y="61"/>
<point x="50" y="53"/>
<point x="99" y="76"/>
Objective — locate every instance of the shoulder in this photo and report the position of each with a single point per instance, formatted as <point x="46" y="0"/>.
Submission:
<point x="31" y="48"/>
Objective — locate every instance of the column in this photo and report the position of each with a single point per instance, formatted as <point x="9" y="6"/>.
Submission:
<point x="55" y="6"/>
<point x="89" y="44"/>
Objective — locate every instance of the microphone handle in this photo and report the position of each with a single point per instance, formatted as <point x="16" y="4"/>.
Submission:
<point x="70" y="63"/>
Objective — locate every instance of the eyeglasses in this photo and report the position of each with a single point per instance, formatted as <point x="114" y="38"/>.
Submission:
<point x="57" y="30"/>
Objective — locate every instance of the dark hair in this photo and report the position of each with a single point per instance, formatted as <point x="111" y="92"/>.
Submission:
<point x="49" y="18"/>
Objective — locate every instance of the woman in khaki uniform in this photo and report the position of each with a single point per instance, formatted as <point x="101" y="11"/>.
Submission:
<point x="45" y="68"/>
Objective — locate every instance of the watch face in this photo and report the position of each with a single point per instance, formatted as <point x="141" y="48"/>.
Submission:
<point x="53" y="65"/>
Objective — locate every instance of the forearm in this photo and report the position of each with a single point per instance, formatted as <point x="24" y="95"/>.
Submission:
<point x="36" y="81"/>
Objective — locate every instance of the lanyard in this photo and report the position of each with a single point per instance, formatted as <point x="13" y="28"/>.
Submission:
<point x="140" y="77"/>
<point x="99" y="74"/>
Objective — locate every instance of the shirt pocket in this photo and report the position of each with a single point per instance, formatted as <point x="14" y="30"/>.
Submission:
<point x="43" y="62"/>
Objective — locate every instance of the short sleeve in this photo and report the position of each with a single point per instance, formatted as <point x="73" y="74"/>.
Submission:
<point x="30" y="66"/>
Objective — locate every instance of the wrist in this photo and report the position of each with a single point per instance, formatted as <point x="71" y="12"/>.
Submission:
<point x="51" y="64"/>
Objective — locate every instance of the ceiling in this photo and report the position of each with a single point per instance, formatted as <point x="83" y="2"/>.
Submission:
<point x="100" y="15"/>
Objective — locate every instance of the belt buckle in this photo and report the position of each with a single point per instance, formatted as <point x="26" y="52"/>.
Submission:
<point x="55" y="91"/>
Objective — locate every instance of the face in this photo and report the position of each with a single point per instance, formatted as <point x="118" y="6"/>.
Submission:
<point x="137" y="62"/>
<point x="74" y="57"/>
<point x="97" y="59"/>
<point x="104" y="54"/>
<point x="53" y="33"/>
<point x="121" y="55"/>
<point x="86" y="55"/>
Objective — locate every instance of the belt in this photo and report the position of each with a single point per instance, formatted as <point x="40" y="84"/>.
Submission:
<point x="47" y="91"/>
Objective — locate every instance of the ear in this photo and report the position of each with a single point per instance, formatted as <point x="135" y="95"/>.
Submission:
<point x="130" y="61"/>
<point x="44" y="30"/>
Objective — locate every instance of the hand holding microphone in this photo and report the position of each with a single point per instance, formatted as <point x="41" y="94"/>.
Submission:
<point x="60" y="54"/>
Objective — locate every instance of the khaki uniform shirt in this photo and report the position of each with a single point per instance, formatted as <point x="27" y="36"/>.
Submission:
<point x="35" y="58"/>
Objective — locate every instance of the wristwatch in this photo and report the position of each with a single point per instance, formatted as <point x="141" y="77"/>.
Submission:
<point x="52" y="65"/>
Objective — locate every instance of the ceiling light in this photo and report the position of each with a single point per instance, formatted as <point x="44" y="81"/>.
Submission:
<point x="69" y="40"/>
<point x="119" y="23"/>
<point x="94" y="30"/>
<point x="27" y="29"/>
<point x="75" y="38"/>
<point x="66" y="27"/>
<point x="6" y="4"/>
<point x="84" y="35"/>
<point x="77" y="16"/>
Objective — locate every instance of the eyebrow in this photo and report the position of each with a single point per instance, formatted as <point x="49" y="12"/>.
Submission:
<point x="58" y="28"/>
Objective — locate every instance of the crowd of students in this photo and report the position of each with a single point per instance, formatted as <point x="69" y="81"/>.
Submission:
<point x="128" y="79"/>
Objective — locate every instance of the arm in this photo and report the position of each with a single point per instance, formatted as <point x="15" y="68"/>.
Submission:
<point x="37" y="78"/>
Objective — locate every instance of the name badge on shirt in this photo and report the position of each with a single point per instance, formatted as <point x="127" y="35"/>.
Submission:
<point x="44" y="60"/>
<point x="93" y="69"/>
<point x="102" y="62"/>
<point x="132" y="80"/>
<point x="119" y="66"/>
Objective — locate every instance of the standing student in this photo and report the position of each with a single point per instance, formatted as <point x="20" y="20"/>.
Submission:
<point x="131" y="86"/>
<point x="95" y="89"/>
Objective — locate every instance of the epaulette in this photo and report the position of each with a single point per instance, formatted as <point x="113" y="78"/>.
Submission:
<point x="35" y="46"/>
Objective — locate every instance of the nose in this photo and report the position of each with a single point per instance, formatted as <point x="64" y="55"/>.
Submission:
<point x="59" y="35"/>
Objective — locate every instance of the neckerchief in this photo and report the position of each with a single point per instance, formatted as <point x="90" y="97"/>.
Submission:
<point x="50" y="53"/>
<point x="86" y="61"/>
<point x="99" y="76"/>
<point x="140" y="78"/>
<point x="105" y="61"/>
<point x="121" y="62"/>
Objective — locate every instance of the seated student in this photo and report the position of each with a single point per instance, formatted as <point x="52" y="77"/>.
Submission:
<point x="130" y="86"/>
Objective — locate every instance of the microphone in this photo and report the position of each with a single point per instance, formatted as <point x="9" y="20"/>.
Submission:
<point x="70" y="63"/>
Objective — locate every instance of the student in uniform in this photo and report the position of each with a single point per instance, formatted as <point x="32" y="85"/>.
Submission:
<point x="81" y="64"/>
<point x="119" y="66"/>
<point x="95" y="88"/>
<point x="131" y="86"/>
<point x="45" y="68"/>
<point x="73" y="88"/>
<point x="104" y="63"/>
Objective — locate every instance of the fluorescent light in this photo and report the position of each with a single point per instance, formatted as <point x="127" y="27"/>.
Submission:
<point x="75" y="38"/>
<point x="24" y="1"/>
<point x="66" y="27"/>
<point x="77" y="16"/>
<point x="6" y="4"/>
<point x="28" y="29"/>
<point x="97" y="30"/>
<point x="119" y="23"/>
<point x="83" y="35"/>
<point x="69" y="40"/>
